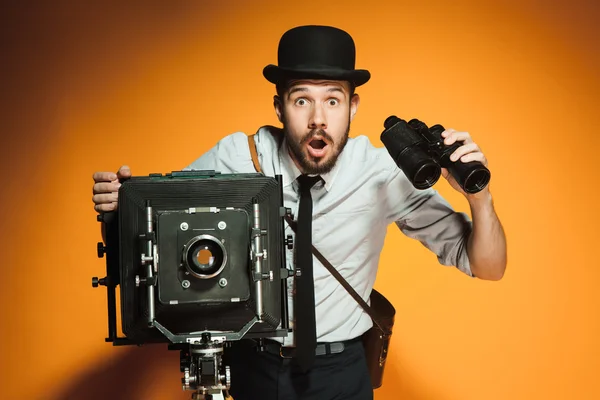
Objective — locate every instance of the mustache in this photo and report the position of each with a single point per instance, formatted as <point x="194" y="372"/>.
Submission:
<point x="316" y="132"/>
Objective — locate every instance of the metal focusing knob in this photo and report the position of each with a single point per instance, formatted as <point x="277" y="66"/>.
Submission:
<point x="101" y="248"/>
<point x="186" y="379"/>
<point x="289" y="242"/>
<point x="96" y="281"/>
<point x="227" y="377"/>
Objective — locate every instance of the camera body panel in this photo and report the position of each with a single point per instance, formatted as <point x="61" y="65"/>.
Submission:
<point x="222" y="233"/>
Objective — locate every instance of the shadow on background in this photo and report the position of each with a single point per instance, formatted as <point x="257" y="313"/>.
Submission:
<point x="134" y="373"/>
<point x="63" y="49"/>
<point x="401" y="382"/>
<point x="128" y="376"/>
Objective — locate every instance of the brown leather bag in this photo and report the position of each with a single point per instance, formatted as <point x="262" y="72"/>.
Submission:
<point x="377" y="339"/>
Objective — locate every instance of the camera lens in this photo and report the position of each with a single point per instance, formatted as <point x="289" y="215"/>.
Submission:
<point x="204" y="256"/>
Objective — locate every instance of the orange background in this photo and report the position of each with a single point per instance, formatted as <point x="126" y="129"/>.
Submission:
<point x="155" y="84"/>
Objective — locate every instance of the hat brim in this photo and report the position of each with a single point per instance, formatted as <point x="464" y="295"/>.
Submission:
<point x="275" y="74"/>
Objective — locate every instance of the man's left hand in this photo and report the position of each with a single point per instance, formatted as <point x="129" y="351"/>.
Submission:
<point x="467" y="152"/>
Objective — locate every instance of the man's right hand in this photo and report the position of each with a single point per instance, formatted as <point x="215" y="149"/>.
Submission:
<point x="106" y="188"/>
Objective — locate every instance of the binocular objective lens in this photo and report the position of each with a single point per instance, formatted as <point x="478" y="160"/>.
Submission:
<point x="477" y="180"/>
<point x="426" y="176"/>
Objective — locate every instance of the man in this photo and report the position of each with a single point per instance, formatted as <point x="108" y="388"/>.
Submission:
<point x="358" y="192"/>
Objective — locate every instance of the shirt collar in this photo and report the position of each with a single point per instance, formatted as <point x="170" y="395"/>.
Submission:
<point x="290" y="171"/>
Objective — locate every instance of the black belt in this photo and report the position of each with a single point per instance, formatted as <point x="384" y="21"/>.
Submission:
<point x="322" y="349"/>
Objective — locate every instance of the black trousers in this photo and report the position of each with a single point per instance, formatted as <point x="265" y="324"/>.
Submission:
<point x="266" y="376"/>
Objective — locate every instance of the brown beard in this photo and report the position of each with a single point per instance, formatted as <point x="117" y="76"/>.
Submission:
<point x="309" y="165"/>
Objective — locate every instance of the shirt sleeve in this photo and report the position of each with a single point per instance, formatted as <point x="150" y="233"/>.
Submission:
<point x="230" y="155"/>
<point x="426" y="216"/>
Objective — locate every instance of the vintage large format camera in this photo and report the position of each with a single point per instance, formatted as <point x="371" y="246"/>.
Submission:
<point x="420" y="152"/>
<point x="199" y="259"/>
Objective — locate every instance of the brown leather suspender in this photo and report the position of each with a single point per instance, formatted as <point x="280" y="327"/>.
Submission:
<point x="253" y="153"/>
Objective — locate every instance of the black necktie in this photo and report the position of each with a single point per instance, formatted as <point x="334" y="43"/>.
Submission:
<point x="306" y="335"/>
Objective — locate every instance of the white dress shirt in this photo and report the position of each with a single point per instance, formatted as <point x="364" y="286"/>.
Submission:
<point x="352" y="210"/>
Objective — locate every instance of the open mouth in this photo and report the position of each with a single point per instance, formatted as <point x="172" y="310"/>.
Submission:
<point x="317" y="147"/>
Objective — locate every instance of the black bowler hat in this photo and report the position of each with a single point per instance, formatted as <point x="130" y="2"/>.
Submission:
<point x="316" y="52"/>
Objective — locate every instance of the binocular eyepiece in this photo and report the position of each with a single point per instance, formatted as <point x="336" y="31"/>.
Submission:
<point x="421" y="154"/>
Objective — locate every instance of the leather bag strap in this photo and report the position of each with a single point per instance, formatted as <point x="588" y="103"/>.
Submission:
<point x="368" y="309"/>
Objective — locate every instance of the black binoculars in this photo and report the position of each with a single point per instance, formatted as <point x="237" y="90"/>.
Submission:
<point x="421" y="154"/>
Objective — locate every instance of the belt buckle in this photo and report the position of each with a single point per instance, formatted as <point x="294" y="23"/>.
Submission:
<point x="281" y="352"/>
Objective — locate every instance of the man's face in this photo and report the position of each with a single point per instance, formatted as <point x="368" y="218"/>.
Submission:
<point x="316" y="116"/>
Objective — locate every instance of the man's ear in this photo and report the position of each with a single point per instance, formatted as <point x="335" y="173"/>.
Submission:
<point x="278" y="107"/>
<point x="354" y="102"/>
